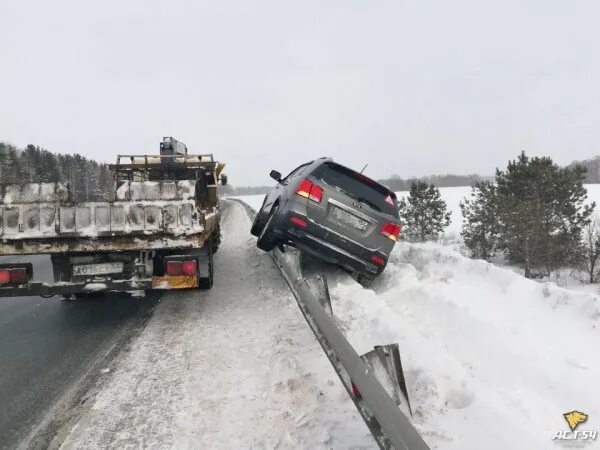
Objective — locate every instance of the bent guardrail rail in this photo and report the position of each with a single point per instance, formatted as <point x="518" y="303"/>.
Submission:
<point x="388" y="425"/>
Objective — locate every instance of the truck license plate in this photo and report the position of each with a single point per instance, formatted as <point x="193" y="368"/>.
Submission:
<point x="98" y="269"/>
<point x="349" y="219"/>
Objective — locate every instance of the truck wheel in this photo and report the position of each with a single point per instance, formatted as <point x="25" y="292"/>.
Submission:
<point x="206" y="282"/>
<point x="216" y="240"/>
<point x="267" y="241"/>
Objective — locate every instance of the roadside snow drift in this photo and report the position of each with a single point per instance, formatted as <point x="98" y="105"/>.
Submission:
<point x="493" y="360"/>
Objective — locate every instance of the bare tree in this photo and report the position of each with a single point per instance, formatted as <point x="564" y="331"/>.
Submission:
<point x="589" y="254"/>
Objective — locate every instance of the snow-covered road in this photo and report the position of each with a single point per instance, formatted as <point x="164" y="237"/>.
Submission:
<point x="234" y="367"/>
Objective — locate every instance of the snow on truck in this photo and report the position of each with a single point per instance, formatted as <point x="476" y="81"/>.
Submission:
<point x="159" y="229"/>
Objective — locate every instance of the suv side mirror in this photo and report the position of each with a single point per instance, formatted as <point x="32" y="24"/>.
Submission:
<point x="275" y="175"/>
<point x="223" y="180"/>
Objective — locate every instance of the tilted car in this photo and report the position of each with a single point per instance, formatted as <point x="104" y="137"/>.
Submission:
<point x="332" y="212"/>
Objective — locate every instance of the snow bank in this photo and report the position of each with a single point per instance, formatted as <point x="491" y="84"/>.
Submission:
<point x="493" y="360"/>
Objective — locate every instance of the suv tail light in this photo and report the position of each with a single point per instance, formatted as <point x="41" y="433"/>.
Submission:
<point x="309" y="190"/>
<point x="173" y="268"/>
<point x="189" y="268"/>
<point x="391" y="230"/>
<point x="378" y="260"/>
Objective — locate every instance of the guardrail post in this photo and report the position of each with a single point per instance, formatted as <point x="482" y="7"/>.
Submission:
<point x="323" y="291"/>
<point x="385" y="363"/>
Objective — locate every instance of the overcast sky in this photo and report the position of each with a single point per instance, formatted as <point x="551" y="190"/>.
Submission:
<point x="409" y="87"/>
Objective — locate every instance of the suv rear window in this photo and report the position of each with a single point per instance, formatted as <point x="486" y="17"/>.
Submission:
<point x="358" y="187"/>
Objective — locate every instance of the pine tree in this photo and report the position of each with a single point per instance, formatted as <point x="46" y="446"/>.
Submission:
<point x="541" y="211"/>
<point x="423" y="214"/>
<point x="480" y="223"/>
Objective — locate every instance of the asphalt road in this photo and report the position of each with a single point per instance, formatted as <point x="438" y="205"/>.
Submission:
<point x="48" y="347"/>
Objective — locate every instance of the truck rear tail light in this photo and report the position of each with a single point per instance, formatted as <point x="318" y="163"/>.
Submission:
<point x="297" y="221"/>
<point x="391" y="230"/>
<point x="189" y="268"/>
<point x="14" y="276"/>
<point x="4" y="276"/>
<point x="309" y="190"/>
<point x="18" y="276"/>
<point x="173" y="268"/>
<point x="378" y="260"/>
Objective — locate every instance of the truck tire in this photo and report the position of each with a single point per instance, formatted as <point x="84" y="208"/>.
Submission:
<point x="267" y="240"/>
<point x="206" y="282"/>
<point x="216" y="240"/>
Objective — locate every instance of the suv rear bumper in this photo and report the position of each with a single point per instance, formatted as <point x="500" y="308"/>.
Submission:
<point x="329" y="245"/>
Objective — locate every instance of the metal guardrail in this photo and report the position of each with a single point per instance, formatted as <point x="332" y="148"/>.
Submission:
<point x="388" y="425"/>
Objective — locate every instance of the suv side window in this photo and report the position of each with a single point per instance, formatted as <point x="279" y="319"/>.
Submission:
<point x="297" y="171"/>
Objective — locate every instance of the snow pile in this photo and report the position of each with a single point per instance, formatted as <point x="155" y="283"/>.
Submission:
<point x="492" y="359"/>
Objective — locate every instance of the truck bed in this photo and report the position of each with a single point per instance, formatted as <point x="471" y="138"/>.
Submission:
<point x="42" y="220"/>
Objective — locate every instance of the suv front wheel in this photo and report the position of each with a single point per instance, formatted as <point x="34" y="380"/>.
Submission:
<point x="267" y="240"/>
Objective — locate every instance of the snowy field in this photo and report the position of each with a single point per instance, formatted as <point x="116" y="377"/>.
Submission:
<point x="492" y="359"/>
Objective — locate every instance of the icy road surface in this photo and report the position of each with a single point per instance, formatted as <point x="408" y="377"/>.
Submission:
<point x="234" y="367"/>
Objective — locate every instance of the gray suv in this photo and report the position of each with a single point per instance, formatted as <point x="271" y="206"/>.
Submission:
<point x="333" y="213"/>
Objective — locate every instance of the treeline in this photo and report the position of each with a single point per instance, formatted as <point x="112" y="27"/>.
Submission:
<point x="88" y="180"/>
<point x="395" y="183"/>
<point x="592" y="166"/>
<point x="245" y="190"/>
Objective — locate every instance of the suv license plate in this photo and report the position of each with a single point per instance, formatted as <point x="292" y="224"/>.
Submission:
<point x="349" y="219"/>
<point x="98" y="269"/>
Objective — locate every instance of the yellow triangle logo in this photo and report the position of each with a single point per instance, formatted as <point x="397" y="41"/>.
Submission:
<point x="574" y="418"/>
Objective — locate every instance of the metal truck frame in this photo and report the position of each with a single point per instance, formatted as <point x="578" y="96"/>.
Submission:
<point x="159" y="230"/>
